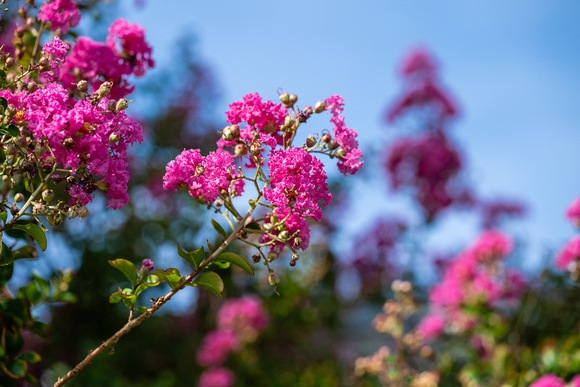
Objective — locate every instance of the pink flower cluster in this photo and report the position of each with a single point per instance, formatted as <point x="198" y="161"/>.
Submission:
<point x="474" y="277"/>
<point x="80" y="139"/>
<point x="350" y="163"/>
<point x="98" y="62"/>
<point x="552" y="380"/>
<point x="569" y="256"/>
<point x="55" y="50"/>
<point x="494" y="211"/>
<point x="427" y="164"/>
<point x="422" y="90"/>
<point x="262" y="116"/>
<point x="62" y="14"/>
<point x="239" y="322"/>
<point x="204" y="177"/>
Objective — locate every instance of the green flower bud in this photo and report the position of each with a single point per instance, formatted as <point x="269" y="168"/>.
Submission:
<point x="104" y="89"/>
<point x="114" y="138"/>
<point x="319" y="107"/>
<point x="19" y="198"/>
<point x="273" y="279"/>
<point x="83" y="86"/>
<point x="284" y="235"/>
<point x="310" y="141"/>
<point x="240" y="150"/>
<point x="43" y="62"/>
<point x="284" y="98"/>
<point x="10" y="62"/>
<point x="255" y="149"/>
<point x="83" y="212"/>
<point x="289" y="121"/>
<point x="340" y="153"/>
<point x="122" y="104"/>
<point x="293" y="98"/>
<point x="272" y="256"/>
<point x="332" y="144"/>
<point x="47" y="195"/>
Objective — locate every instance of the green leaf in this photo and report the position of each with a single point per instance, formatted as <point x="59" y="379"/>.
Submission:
<point x="10" y="130"/>
<point x="219" y="228"/>
<point x="148" y="282"/>
<point x="5" y="274"/>
<point x="127" y="268"/>
<point x="28" y="186"/>
<point x="3" y="101"/>
<point x="194" y="258"/>
<point x="171" y="276"/>
<point x="129" y="298"/>
<point x="221" y="265"/>
<point x="35" y="231"/>
<point x="39" y="328"/>
<point x="17" y="367"/>
<point x="3" y="216"/>
<point x="115" y="298"/>
<point x="6" y="257"/>
<point x="253" y="226"/>
<point x="27" y="251"/>
<point x="30" y="357"/>
<point x="141" y="309"/>
<point x="210" y="281"/>
<point x="30" y="292"/>
<point x="236" y="260"/>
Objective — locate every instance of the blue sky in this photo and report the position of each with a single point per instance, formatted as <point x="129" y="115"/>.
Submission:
<point x="513" y="66"/>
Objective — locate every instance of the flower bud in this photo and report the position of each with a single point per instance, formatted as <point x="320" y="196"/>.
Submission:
<point x="10" y="111"/>
<point x="293" y="99"/>
<point x="30" y="21"/>
<point x="340" y="153"/>
<point x="83" y="212"/>
<point x="114" y="138"/>
<point x="289" y="121"/>
<point x="199" y="170"/>
<point x="10" y="62"/>
<point x="104" y="89"/>
<point x="297" y="242"/>
<point x="19" y="198"/>
<point x="50" y="160"/>
<point x="295" y="256"/>
<point x="284" y="235"/>
<point x="32" y="87"/>
<point x="19" y="32"/>
<point x="23" y="12"/>
<point x="43" y="62"/>
<point x="240" y="150"/>
<point x="272" y="256"/>
<point x="112" y="105"/>
<point x="319" y="107"/>
<point x="269" y="127"/>
<point x="332" y="144"/>
<point x="273" y="279"/>
<point x="284" y="98"/>
<point x="310" y="141"/>
<point x="122" y="104"/>
<point x="256" y="258"/>
<point x="292" y="263"/>
<point x="227" y="134"/>
<point x="255" y="149"/>
<point x="274" y="219"/>
<point x="38" y="208"/>
<point x="10" y="149"/>
<point x="47" y="195"/>
<point x="83" y="86"/>
<point x="326" y="137"/>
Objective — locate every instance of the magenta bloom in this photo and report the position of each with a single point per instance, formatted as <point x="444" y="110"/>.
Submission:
<point x="294" y="224"/>
<point x="148" y="264"/>
<point x="569" y="253"/>
<point x="492" y="244"/>
<point x="62" y="14"/>
<point x="431" y="326"/>
<point x="128" y="40"/>
<point x="203" y="177"/>
<point x="59" y="49"/>
<point x="245" y="316"/>
<point x="549" y="380"/>
<point x="216" y="346"/>
<point x="252" y="111"/>
<point x="573" y="212"/>
<point x="217" y="377"/>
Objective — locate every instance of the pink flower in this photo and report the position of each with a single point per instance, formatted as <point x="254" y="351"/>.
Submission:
<point x="549" y="380"/>
<point x="569" y="254"/>
<point x="262" y="115"/>
<point x="216" y="377"/>
<point x="573" y="212"/>
<point x="216" y="346"/>
<point x="245" y="316"/>
<point x="419" y="63"/>
<point x="298" y="182"/>
<point x="61" y="14"/>
<point x="431" y="326"/>
<point x="130" y="38"/>
<point x="295" y="224"/>
<point x="58" y="49"/>
<point x="491" y="245"/>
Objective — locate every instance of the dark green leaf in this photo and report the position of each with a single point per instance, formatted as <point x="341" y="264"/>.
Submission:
<point x="171" y="276"/>
<point x="127" y="268"/>
<point x="148" y="282"/>
<point x="30" y="292"/>
<point x="5" y="274"/>
<point x="219" y="228"/>
<point x="141" y="309"/>
<point x="236" y="260"/>
<point x="210" y="281"/>
<point x="30" y="357"/>
<point x="17" y="367"/>
<point x="13" y="343"/>
<point x="10" y="130"/>
<point x="27" y="251"/>
<point x="39" y="328"/>
<point x="6" y="257"/>
<point x="253" y="226"/>
<point x="35" y="232"/>
<point x="194" y="258"/>
<point x="3" y="101"/>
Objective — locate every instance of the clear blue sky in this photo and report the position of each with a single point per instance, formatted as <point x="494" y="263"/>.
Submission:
<point x="513" y="66"/>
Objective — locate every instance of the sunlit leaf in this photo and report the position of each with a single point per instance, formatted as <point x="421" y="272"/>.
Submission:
<point x="148" y="282"/>
<point x="194" y="258"/>
<point x="171" y="276"/>
<point x="35" y="231"/>
<point x="115" y="297"/>
<point x="3" y="216"/>
<point x="127" y="268"/>
<point x="141" y="309"/>
<point x="30" y="357"/>
<point x="236" y="260"/>
<point x="210" y="281"/>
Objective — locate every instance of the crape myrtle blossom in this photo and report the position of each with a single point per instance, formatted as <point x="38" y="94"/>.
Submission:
<point x="567" y="258"/>
<point x="573" y="211"/>
<point x="62" y="14"/>
<point x="216" y="347"/>
<point x="217" y="377"/>
<point x="295" y="226"/>
<point x="55" y="51"/>
<point x="245" y="316"/>
<point x="80" y="136"/>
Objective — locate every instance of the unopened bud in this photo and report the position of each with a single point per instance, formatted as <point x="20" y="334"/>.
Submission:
<point x="340" y="153"/>
<point x="255" y="149"/>
<point x="319" y="107"/>
<point x="310" y="141"/>
<point x="256" y="258"/>
<point x="10" y="111"/>
<point x="273" y="279"/>
<point x="272" y="256"/>
<point x="83" y="212"/>
<point x="47" y="195"/>
<point x="284" y="235"/>
<point x="22" y="12"/>
<point x="297" y="242"/>
<point x="19" y="32"/>
<point x="122" y="104"/>
<point x="326" y="137"/>
<point x="269" y="127"/>
<point x="112" y="105"/>
<point x="10" y="149"/>
<point x="43" y="62"/>
<point x="292" y="263"/>
<point x="114" y="138"/>
<point x="293" y="99"/>
<point x="32" y="87"/>
<point x="30" y="21"/>
<point x="289" y="121"/>
<point x="284" y="98"/>
<point x="199" y="170"/>
<point x="332" y="144"/>
<point x="68" y="143"/>
<point x="240" y="150"/>
<point x="19" y="198"/>
<point x="227" y="134"/>
<point x="104" y="89"/>
<point x="10" y="62"/>
<point x="83" y="86"/>
<point x="295" y="256"/>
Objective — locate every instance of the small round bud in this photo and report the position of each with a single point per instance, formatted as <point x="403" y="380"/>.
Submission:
<point x="19" y="198"/>
<point x="284" y="235"/>
<point x="112" y="105"/>
<point x="272" y="256"/>
<point x="32" y="87"/>
<point x="289" y="121"/>
<point x="10" y="149"/>
<point x="326" y="137"/>
<point x="11" y="111"/>
<point x="332" y="144"/>
<point x="274" y="219"/>
<point x="14" y="210"/>
<point x="50" y="160"/>
<point x="240" y="150"/>
<point x="104" y="89"/>
<point x="297" y="242"/>
<point x="10" y="62"/>
<point x="83" y="86"/>
<point x="340" y="153"/>
<point x="256" y="258"/>
<point x="273" y="279"/>
<point x="43" y="62"/>
<point x="19" y="32"/>
<point x="227" y="134"/>
<point x="122" y="104"/>
<point x="235" y="131"/>
<point x="30" y="21"/>
<point x="292" y="263"/>
<point x="284" y="98"/>
<point x="47" y="195"/>
<point x="252" y="203"/>
<point x="319" y="107"/>
<point x="38" y="208"/>
<point x="295" y="256"/>
<point x="83" y="212"/>
<point x="293" y="98"/>
<point x="255" y="149"/>
<point x="269" y="127"/>
<point x="114" y="138"/>
<point x="68" y="143"/>
<point x="310" y="141"/>
<point x="23" y="12"/>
